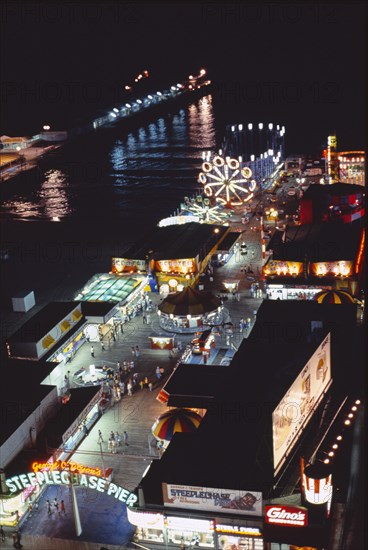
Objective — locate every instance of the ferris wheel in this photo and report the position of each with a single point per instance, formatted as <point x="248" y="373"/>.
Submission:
<point x="225" y="181"/>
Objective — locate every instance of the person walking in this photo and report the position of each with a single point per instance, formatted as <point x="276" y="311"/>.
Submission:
<point x="150" y="386"/>
<point x="112" y="435"/>
<point x="110" y="445"/>
<point x="2" y="533"/>
<point x="133" y="351"/>
<point x="92" y="351"/>
<point x="100" y="438"/>
<point x="48" y="504"/>
<point x="137" y="352"/>
<point x="56" y="504"/>
<point x="125" y="436"/>
<point x="62" y="508"/>
<point x="129" y="388"/>
<point x="30" y="508"/>
<point x="117" y="438"/>
<point x="102" y="346"/>
<point x="158" y="373"/>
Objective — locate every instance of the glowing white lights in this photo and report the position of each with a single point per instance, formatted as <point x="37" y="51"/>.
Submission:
<point x="250" y="126"/>
<point x="260" y="126"/>
<point x="270" y="126"/>
<point x="225" y="181"/>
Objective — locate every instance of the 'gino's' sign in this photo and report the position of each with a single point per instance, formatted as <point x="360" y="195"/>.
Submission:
<point x="286" y="515"/>
<point x="66" y="477"/>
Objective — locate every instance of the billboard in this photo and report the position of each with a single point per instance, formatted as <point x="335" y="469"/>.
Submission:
<point x="213" y="500"/>
<point x="301" y="400"/>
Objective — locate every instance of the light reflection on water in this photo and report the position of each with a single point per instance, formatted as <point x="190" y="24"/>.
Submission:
<point x="101" y="175"/>
<point x="50" y="200"/>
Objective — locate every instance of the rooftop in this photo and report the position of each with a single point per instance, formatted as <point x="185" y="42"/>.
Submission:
<point x="232" y="448"/>
<point x="21" y="392"/>
<point x="43" y="321"/>
<point x="318" y="242"/>
<point x="317" y="191"/>
<point x="178" y="241"/>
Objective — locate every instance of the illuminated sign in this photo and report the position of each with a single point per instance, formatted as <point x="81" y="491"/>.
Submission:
<point x="189" y="524"/>
<point x="278" y="267"/>
<point x="73" y="467"/>
<point x="177" y="266"/>
<point x="238" y="530"/>
<point x="120" y="265"/>
<point x="332" y="269"/>
<point x="317" y="491"/>
<point x="299" y="403"/>
<point x="211" y="499"/>
<point x="63" y="477"/>
<point x="145" y="519"/>
<point x="286" y="515"/>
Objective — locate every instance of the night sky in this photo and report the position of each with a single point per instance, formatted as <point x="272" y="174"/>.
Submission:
<point x="302" y="65"/>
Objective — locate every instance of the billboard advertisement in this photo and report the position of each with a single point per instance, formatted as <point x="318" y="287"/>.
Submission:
<point x="213" y="500"/>
<point x="301" y="400"/>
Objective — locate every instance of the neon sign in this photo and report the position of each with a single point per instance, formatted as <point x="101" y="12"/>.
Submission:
<point x="286" y="515"/>
<point x="73" y="467"/>
<point x="65" y="477"/>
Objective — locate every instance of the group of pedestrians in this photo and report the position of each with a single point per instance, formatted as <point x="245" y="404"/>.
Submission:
<point x="58" y="508"/>
<point x="114" y="440"/>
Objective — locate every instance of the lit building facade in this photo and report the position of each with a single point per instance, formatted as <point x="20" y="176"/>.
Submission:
<point x="352" y="167"/>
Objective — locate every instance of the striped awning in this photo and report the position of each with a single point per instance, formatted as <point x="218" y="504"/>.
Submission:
<point x="176" y="420"/>
<point x="48" y="341"/>
<point x="65" y="325"/>
<point x="333" y="297"/>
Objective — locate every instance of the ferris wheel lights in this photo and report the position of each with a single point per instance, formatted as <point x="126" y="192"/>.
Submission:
<point x="270" y="126"/>
<point x="206" y="166"/>
<point x="260" y="126"/>
<point x="218" y="161"/>
<point x="232" y="163"/>
<point x="240" y="127"/>
<point x="252" y="158"/>
<point x="357" y="402"/>
<point x="250" y="126"/>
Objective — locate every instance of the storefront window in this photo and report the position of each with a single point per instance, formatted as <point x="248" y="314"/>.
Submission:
<point x="231" y="542"/>
<point x="190" y="532"/>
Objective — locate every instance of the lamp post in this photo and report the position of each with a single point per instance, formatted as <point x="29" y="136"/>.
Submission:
<point x="102" y="459"/>
<point x="76" y="516"/>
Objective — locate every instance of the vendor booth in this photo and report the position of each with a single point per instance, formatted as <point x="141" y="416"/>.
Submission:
<point x="161" y="342"/>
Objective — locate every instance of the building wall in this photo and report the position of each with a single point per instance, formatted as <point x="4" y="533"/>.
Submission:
<point x="28" y="430"/>
<point x="35" y="350"/>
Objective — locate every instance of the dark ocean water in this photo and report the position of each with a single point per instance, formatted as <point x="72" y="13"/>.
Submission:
<point x="95" y="196"/>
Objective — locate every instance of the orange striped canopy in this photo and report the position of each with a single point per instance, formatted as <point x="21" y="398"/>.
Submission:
<point x="333" y="297"/>
<point x="175" y="420"/>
